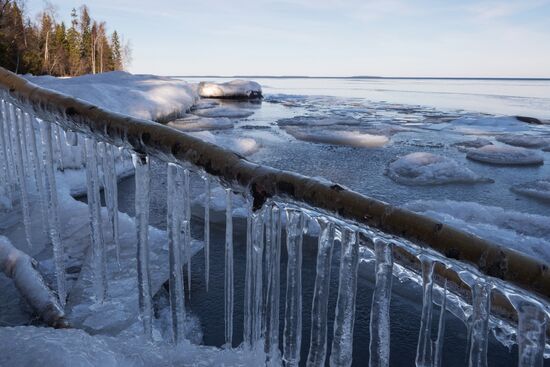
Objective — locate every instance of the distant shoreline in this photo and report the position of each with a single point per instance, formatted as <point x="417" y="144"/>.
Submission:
<point x="357" y="77"/>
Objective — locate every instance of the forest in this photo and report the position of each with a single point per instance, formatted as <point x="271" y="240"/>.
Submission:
<point x="46" y="46"/>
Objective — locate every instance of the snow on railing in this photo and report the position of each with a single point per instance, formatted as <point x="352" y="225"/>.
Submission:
<point x="488" y="286"/>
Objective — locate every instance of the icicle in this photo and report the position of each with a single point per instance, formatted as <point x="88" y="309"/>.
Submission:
<point x="531" y="332"/>
<point x="318" y="342"/>
<point x="31" y="147"/>
<point x="8" y="122"/>
<point x="258" y="251"/>
<point x="5" y="177"/>
<point x="274" y="285"/>
<point x="96" y="230"/>
<point x="187" y="228"/>
<point x="111" y="194"/>
<point x="481" y="309"/>
<point x="207" y="230"/>
<point x="248" y="281"/>
<point x="39" y="172"/>
<point x="72" y="139"/>
<point x="177" y="295"/>
<point x="342" y="343"/>
<point x="438" y="348"/>
<point x="21" y="167"/>
<point x="292" y="338"/>
<point x="50" y="189"/>
<point x="380" y="312"/>
<point x="228" y="285"/>
<point x="424" y="347"/>
<point x="142" y="178"/>
<point x="58" y="139"/>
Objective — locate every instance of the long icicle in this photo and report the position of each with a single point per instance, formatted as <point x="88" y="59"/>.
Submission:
<point x="21" y="166"/>
<point x="143" y="182"/>
<point x="481" y="310"/>
<point x="424" y="347"/>
<point x="344" y="319"/>
<point x="207" y="230"/>
<point x="50" y="189"/>
<point x="292" y="336"/>
<point x="5" y="178"/>
<point x="531" y="332"/>
<point x="248" y="280"/>
<point x="258" y="251"/>
<point x="39" y="171"/>
<point x="10" y="146"/>
<point x="111" y="195"/>
<point x="380" y="312"/>
<point x="274" y="286"/>
<point x="228" y="279"/>
<point x="438" y="348"/>
<point x="177" y="295"/>
<point x="319" y="309"/>
<point x="96" y="230"/>
<point x="187" y="228"/>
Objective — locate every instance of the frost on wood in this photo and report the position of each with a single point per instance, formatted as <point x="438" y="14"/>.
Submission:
<point x="22" y="269"/>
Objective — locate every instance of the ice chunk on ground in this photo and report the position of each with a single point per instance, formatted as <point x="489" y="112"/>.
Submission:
<point x="339" y="137"/>
<point x="539" y="189"/>
<point x="143" y="96"/>
<point x="505" y="155"/>
<point x="196" y="123"/>
<point x="241" y="145"/>
<point x="465" y="146"/>
<point x="234" y="89"/>
<point x="230" y="112"/>
<point x="71" y="347"/>
<point x="523" y="232"/>
<point x="526" y="141"/>
<point x="423" y="168"/>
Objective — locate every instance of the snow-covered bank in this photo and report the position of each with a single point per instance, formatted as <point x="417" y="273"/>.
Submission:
<point x="143" y="96"/>
<point x="235" y="89"/>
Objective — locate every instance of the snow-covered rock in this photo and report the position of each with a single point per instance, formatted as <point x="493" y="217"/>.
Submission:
<point x="230" y="112"/>
<point x="523" y="232"/>
<point x="197" y="123"/>
<point x="143" y="96"/>
<point x="423" y="168"/>
<point x="505" y="155"/>
<point x="539" y="189"/>
<point x="339" y="137"/>
<point x="234" y="89"/>
<point x="526" y="141"/>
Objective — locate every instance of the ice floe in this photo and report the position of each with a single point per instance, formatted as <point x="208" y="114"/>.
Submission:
<point x="197" y="123"/>
<point x="484" y="125"/>
<point x="318" y="121"/>
<point x="144" y="96"/>
<point x="242" y="145"/>
<point x="338" y="137"/>
<point x="539" y="189"/>
<point x="465" y="146"/>
<point x="233" y="89"/>
<point x="230" y="112"/>
<point x="505" y="155"/>
<point x="526" y="141"/>
<point x="423" y="168"/>
<point x="527" y="233"/>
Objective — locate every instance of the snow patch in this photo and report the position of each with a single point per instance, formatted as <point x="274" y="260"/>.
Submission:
<point x="505" y="155"/>
<point x="234" y="89"/>
<point x="423" y="168"/>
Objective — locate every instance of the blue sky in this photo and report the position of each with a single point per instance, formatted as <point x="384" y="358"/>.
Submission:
<point x="486" y="38"/>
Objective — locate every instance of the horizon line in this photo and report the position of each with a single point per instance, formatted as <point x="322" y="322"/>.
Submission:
<point x="362" y="77"/>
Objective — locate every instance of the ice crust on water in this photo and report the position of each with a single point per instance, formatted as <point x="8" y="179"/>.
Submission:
<point x="539" y="189"/>
<point x="465" y="146"/>
<point x="144" y="96"/>
<point x="523" y="232"/>
<point x="318" y="121"/>
<point x="505" y="155"/>
<point x="196" y="123"/>
<point x="242" y="145"/>
<point x="76" y="348"/>
<point x="485" y="125"/>
<point x="422" y="168"/>
<point x="233" y="89"/>
<point x="525" y="141"/>
<point x="338" y="137"/>
<point x="229" y="112"/>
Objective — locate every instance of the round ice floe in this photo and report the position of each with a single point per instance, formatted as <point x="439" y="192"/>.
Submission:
<point x="526" y="141"/>
<point x="539" y="189"/>
<point x="233" y="89"/>
<point x="505" y="155"/>
<point x="430" y="169"/>
<point x="230" y="112"/>
<point x="318" y="121"/>
<point x="196" y="123"/>
<point x="338" y="137"/>
<point x="465" y="146"/>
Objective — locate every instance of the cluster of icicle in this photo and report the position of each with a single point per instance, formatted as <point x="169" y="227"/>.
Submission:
<point x="32" y="150"/>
